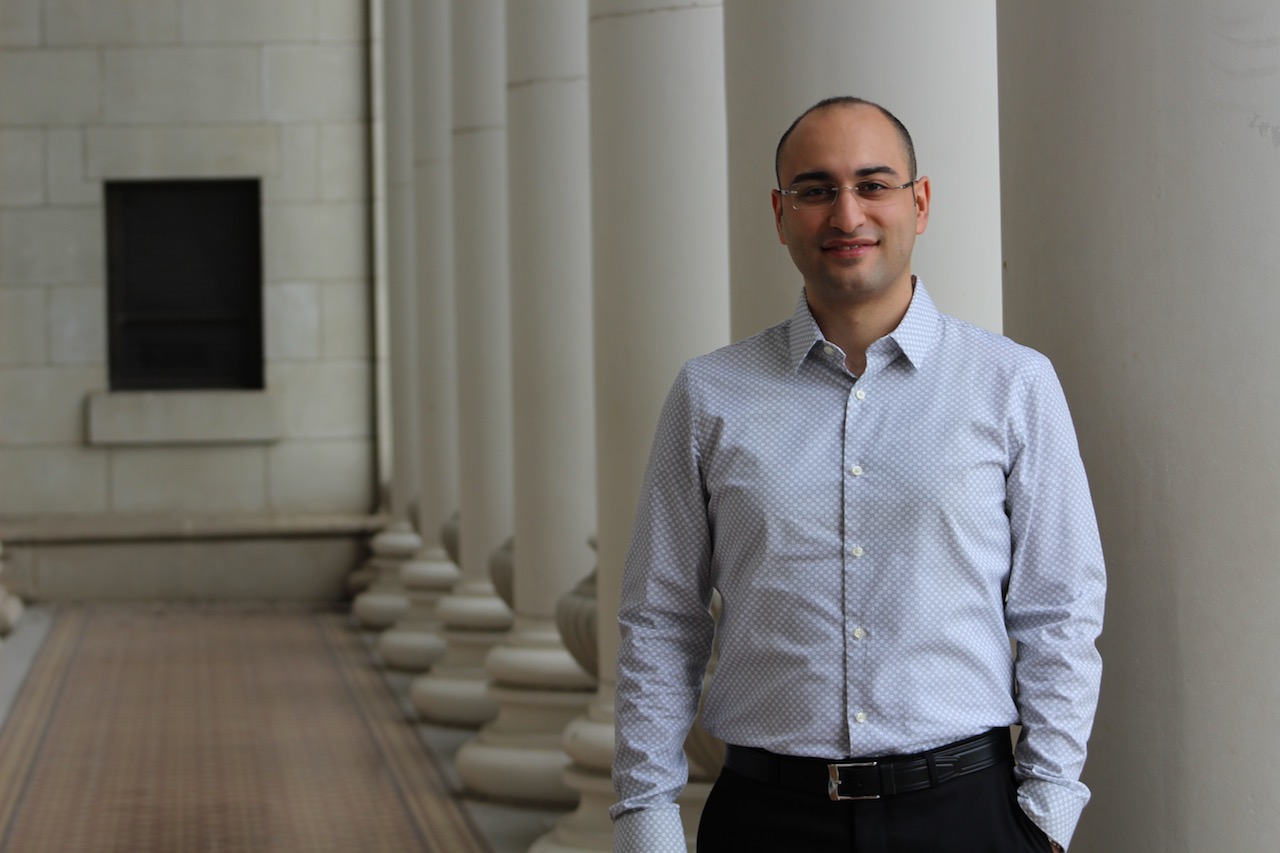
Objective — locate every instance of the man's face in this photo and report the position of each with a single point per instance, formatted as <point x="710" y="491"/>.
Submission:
<point x="850" y="252"/>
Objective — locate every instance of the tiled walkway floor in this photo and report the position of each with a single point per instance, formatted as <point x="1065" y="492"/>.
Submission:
<point x="165" y="728"/>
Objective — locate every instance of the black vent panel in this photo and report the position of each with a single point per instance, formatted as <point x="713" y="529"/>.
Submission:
<point x="184" y="283"/>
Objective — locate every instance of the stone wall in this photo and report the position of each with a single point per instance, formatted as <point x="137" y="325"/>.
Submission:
<point x="94" y="90"/>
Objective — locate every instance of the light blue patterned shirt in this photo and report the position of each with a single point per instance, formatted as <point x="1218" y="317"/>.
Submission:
<point x="877" y="541"/>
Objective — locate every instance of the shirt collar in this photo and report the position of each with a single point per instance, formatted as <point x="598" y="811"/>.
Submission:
<point x="914" y="336"/>
<point x="919" y="329"/>
<point x="804" y="333"/>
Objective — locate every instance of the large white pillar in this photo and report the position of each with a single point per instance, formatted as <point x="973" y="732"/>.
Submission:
<point x="384" y="601"/>
<point x="415" y="641"/>
<point x="539" y="686"/>
<point x="931" y="64"/>
<point x="1141" y="174"/>
<point x="660" y="261"/>
<point x="475" y="618"/>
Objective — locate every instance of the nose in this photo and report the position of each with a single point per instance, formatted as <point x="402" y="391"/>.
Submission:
<point x="846" y="212"/>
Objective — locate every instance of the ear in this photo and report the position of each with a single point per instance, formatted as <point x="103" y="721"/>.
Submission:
<point x="777" y="216"/>
<point x="923" y="191"/>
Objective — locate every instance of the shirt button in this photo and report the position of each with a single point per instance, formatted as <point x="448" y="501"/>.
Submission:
<point x="859" y="633"/>
<point x="855" y="470"/>
<point x="860" y="717"/>
<point x="860" y="394"/>
<point x="856" y="551"/>
<point x="829" y="349"/>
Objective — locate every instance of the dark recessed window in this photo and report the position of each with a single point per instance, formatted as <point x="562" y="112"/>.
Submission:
<point x="184" y="284"/>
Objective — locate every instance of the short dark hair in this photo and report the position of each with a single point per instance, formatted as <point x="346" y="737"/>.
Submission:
<point x="847" y="101"/>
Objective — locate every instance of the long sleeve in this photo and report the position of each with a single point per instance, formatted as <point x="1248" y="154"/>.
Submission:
<point x="666" y="631"/>
<point x="1054" y="608"/>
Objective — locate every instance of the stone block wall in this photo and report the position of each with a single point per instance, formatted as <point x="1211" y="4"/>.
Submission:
<point x="94" y="90"/>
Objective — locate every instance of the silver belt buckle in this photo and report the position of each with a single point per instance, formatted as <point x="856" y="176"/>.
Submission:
<point x="833" y="780"/>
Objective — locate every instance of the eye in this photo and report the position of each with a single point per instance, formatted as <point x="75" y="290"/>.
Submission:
<point x="813" y="193"/>
<point x="872" y="189"/>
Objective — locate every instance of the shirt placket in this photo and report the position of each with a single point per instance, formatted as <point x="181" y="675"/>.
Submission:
<point x="859" y="557"/>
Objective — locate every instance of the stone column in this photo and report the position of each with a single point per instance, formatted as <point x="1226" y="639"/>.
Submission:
<point x="1141" y="175"/>
<point x="11" y="606"/>
<point x="937" y="73"/>
<point x="540" y="687"/>
<point x="475" y="618"/>
<point x="384" y="601"/>
<point x="415" y="641"/>
<point x="660" y="261"/>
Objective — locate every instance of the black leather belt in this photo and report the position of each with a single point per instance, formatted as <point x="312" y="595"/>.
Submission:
<point x="871" y="778"/>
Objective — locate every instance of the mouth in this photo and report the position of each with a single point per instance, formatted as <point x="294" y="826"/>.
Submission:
<point x="848" y="248"/>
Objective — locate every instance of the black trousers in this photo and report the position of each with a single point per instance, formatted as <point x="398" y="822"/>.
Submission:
<point x="978" y="813"/>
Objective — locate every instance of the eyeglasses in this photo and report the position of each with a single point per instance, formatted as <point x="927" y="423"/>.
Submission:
<point x="816" y="195"/>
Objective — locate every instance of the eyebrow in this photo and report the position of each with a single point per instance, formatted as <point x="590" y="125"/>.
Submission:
<point x="864" y="172"/>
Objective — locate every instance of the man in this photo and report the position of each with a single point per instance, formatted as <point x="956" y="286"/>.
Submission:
<point x="883" y="496"/>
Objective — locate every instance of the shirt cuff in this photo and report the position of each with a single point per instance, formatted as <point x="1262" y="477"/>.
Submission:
<point x="651" y="830"/>
<point x="1053" y="807"/>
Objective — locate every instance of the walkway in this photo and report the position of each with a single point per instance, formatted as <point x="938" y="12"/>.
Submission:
<point x="223" y="728"/>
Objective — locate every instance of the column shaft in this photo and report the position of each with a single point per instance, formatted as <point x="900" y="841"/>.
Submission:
<point x="475" y="618"/>
<point x="540" y="687"/>
<point x="1141" y="148"/>
<point x="660" y="261"/>
<point x="937" y="74"/>
<point x="415" y="641"/>
<point x="384" y="601"/>
<point x="397" y="54"/>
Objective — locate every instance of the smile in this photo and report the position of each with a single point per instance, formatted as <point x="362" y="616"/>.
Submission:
<point x="847" y="249"/>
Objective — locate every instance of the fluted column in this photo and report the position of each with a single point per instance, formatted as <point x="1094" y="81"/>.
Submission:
<point x="384" y="601"/>
<point x="1141" y="174"/>
<point x="539" y="686"/>
<point x="416" y="641"/>
<point x="475" y="619"/>
<point x="660" y="261"/>
<point x="937" y="74"/>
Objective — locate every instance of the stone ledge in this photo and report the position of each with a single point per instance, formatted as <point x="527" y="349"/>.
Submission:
<point x="184" y="417"/>
<point x="144" y="527"/>
<point x="284" y="568"/>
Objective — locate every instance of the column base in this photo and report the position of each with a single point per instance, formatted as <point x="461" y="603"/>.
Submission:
<point x="412" y="646"/>
<point x="458" y="698"/>
<point x="589" y="742"/>
<point x="380" y="606"/>
<point x="361" y="579"/>
<point x="474" y="606"/>
<point x="415" y="642"/>
<point x="533" y="656"/>
<point x="385" y="601"/>
<point x="11" y="609"/>
<point x="518" y="758"/>
<point x="587" y="828"/>
<point x="455" y="692"/>
<point x="540" y="689"/>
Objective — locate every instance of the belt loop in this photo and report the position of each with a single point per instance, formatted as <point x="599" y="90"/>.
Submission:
<point x="933" y="769"/>
<point x="888" y="784"/>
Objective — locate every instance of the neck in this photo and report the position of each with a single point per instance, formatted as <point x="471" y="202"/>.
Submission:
<point x="854" y="325"/>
